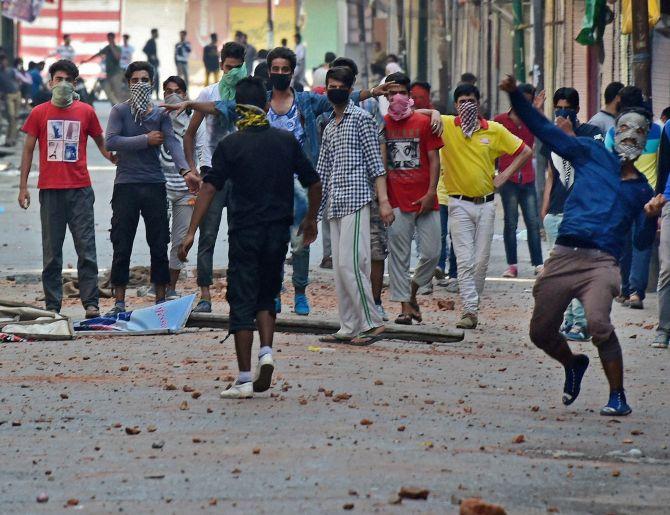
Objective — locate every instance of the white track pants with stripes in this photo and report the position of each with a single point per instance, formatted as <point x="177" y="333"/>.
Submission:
<point x="350" y="237"/>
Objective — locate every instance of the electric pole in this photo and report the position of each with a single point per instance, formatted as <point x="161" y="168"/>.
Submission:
<point x="519" y="45"/>
<point x="641" y="48"/>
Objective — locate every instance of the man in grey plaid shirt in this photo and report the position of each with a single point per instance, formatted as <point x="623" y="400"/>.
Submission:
<point x="349" y="161"/>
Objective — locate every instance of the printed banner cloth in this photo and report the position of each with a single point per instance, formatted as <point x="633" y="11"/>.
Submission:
<point x="168" y="317"/>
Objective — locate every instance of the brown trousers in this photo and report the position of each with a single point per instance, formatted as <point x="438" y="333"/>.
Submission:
<point x="590" y="275"/>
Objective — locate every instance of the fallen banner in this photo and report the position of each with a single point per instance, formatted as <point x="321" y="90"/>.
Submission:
<point x="168" y="317"/>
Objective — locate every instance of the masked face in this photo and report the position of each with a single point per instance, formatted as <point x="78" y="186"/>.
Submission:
<point x="400" y="106"/>
<point x="565" y="112"/>
<point x="280" y="81"/>
<point x="62" y="94"/>
<point x="468" y="112"/>
<point x="140" y="98"/>
<point x="630" y="135"/>
<point x="338" y="96"/>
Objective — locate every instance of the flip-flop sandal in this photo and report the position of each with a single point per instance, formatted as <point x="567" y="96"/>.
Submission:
<point x="331" y="338"/>
<point x="416" y="316"/>
<point x="366" y="338"/>
<point x="364" y="341"/>
<point x="404" y="319"/>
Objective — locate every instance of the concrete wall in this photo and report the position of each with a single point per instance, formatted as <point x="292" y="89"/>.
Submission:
<point x="321" y="30"/>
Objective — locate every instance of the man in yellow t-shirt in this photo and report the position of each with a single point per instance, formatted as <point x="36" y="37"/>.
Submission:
<point x="471" y="146"/>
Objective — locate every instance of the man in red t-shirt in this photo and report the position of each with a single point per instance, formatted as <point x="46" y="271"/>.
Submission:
<point x="519" y="191"/>
<point x="413" y="172"/>
<point x="62" y="128"/>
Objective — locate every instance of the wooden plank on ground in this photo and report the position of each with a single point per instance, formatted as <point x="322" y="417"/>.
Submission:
<point x="311" y="325"/>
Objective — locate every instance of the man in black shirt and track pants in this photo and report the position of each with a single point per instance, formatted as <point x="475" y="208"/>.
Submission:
<point x="259" y="161"/>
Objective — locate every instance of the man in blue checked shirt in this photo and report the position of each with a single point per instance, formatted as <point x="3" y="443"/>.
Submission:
<point x="349" y="162"/>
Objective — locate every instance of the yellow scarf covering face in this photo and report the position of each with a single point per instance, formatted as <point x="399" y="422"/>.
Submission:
<point x="250" y="116"/>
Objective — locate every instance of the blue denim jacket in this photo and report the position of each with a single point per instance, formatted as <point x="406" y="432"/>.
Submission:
<point x="310" y="105"/>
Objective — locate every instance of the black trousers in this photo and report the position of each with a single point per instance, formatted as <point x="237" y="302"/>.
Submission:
<point x="129" y="201"/>
<point x="255" y="263"/>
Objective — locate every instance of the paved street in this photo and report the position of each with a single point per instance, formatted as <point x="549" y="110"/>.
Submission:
<point x="443" y="417"/>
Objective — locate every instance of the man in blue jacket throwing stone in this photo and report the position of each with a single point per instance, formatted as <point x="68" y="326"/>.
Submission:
<point x="608" y="195"/>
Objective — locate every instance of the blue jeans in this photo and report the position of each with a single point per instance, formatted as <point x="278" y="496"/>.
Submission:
<point x="524" y="196"/>
<point x="442" y="263"/>
<point x="634" y="267"/>
<point x="209" y="230"/>
<point x="300" y="278"/>
<point x="575" y="314"/>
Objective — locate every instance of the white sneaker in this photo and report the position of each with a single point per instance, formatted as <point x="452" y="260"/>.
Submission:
<point x="382" y="312"/>
<point x="538" y="269"/>
<point x="239" y="391"/>
<point x="263" y="375"/>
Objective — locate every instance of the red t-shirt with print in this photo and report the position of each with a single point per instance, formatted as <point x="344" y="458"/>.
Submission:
<point x="62" y="135"/>
<point x="407" y="145"/>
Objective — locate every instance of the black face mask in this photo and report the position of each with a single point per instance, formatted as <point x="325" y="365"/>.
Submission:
<point x="280" y="81"/>
<point x="338" y="96"/>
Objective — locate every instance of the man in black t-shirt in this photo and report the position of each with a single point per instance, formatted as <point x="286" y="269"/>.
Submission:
<point x="210" y="58"/>
<point x="259" y="161"/>
<point x="114" y="84"/>
<point x="560" y="178"/>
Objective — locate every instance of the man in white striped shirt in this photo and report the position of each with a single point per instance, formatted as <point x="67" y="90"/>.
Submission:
<point x="180" y="199"/>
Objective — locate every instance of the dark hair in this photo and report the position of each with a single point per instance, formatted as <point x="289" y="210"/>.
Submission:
<point x="341" y="73"/>
<point x="422" y="84"/>
<point x="66" y="36"/>
<point x="631" y="96"/>
<point x="251" y="90"/>
<point x="137" y="66"/>
<point x="298" y="37"/>
<point x="126" y="36"/>
<point x="111" y="35"/>
<point x="329" y="57"/>
<point x="262" y="54"/>
<point x="347" y="63"/>
<point x="239" y="34"/>
<point x="571" y="95"/>
<point x="464" y="90"/>
<point x="154" y="31"/>
<point x="638" y="110"/>
<point x="399" y="78"/>
<point x="17" y="61"/>
<point x="469" y="78"/>
<point x="528" y="89"/>
<point x="284" y="41"/>
<point x="612" y="90"/>
<point x="177" y="80"/>
<point x="393" y="58"/>
<point x="31" y="65"/>
<point x="64" y="66"/>
<point x="232" y="49"/>
<point x="182" y="32"/>
<point x="213" y="35"/>
<point x="666" y="112"/>
<point x="282" y="53"/>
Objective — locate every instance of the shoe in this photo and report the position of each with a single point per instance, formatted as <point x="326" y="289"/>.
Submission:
<point x="116" y="310"/>
<point x="512" y="272"/>
<point x="238" y="391"/>
<point x="467" y="321"/>
<point x="577" y="334"/>
<point x="171" y="294"/>
<point x="452" y="286"/>
<point x="204" y="306"/>
<point x="439" y="274"/>
<point x="661" y="340"/>
<point x="263" y="375"/>
<point x="621" y="299"/>
<point x="278" y="305"/>
<point x="327" y="263"/>
<point x="301" y="306"/>
<point x="635" y="302"/>
<point x="146" y="291"/>
<point x="538" y="269"/>
<point x="617" y="405"/>
<point x="426" y="290"/>
<point x="573" y="379"/>
<point x="92" y="312"/>
<point x="382" y="312"/>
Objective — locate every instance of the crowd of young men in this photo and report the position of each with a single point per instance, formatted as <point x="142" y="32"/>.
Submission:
<point x="377" y="183"/>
